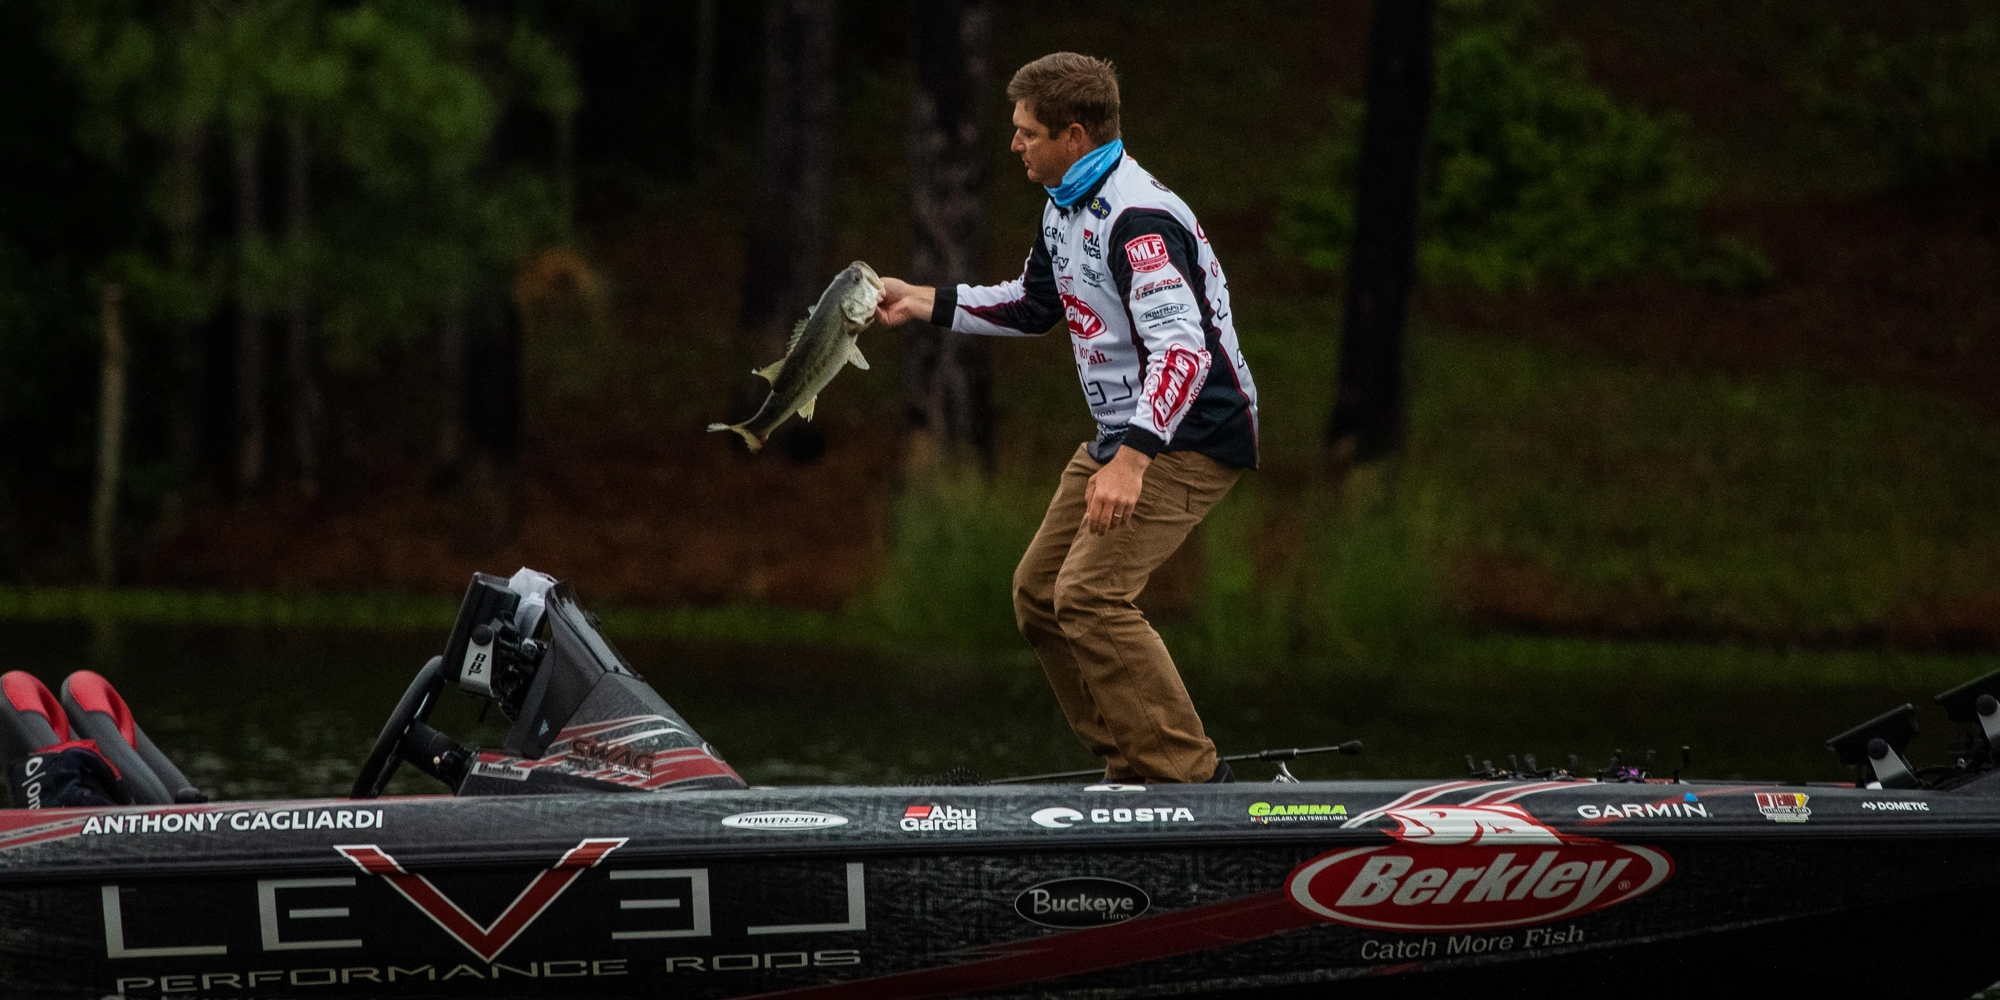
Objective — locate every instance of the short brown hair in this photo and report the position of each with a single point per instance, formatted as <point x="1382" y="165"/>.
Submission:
<point x="1066" y="87"/>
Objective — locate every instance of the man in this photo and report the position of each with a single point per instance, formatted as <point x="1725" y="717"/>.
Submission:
<point x="1124" y="261"/>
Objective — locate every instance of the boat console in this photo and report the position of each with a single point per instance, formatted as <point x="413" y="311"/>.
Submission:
<point x="583" y="719"/>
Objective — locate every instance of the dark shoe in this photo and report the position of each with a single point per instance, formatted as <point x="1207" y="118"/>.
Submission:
<point x="1222" y="773"/>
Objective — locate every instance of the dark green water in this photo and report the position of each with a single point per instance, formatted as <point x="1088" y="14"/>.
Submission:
<point x="265" y="714"/>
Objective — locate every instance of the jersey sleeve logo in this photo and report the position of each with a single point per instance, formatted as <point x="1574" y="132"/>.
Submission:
<point x="1084" y="323"/>
<point x="1180" y="371"/>
<point x="1146" y="253"/>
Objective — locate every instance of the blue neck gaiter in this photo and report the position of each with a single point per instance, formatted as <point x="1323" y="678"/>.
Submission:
<point x="1084" y="173"/>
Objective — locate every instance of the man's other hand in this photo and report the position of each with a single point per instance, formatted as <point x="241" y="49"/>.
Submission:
<point x="1113" y="490"/>
<point x="902" y="302"/>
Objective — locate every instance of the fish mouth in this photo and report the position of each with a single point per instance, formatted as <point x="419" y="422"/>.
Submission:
<point x="868" y="274"/>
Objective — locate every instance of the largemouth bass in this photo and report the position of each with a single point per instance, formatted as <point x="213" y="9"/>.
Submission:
<point x="822" y="343"/>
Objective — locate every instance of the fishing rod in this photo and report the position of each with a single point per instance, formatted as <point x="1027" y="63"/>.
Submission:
<point x="1279" y="757"/>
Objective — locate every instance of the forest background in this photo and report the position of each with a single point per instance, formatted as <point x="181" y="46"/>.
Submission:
<point x="1703" y="349"/>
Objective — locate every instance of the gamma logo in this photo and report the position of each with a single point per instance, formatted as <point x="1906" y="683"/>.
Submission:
<point x="1457" y="868"/>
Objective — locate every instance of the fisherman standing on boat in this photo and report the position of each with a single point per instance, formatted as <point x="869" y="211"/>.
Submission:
<point x="1123" y="259"/>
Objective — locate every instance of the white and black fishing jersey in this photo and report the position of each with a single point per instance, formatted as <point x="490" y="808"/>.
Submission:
<point x="1148" y="309"/>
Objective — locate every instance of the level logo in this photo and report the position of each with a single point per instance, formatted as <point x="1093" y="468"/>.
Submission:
<point x="1458" y="868"/>
<point x="485" y="940"/>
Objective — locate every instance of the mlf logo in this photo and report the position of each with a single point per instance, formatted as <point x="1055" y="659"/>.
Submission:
<point x="1458" y="868"/>
<point x="1146" y="253"/>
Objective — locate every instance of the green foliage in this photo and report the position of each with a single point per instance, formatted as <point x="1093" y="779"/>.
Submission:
<point x="398" y="100"/>
<point x="1925" y="105"/>
<point x="1533" y="173"/>
<point x="954" y="539"/>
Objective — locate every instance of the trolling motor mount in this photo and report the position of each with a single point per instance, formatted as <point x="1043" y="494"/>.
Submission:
<point x="1877" y="745"/>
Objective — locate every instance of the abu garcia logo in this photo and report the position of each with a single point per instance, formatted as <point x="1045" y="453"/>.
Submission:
<point x="928" y="818"/>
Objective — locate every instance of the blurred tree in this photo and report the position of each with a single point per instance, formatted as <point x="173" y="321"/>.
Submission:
<point x="784" y="272"/>
<point x="1532" y="173"/>
<point x="1368" y="419"/>
<point x="947" y="379"/>
<point x="1925" y="106"/>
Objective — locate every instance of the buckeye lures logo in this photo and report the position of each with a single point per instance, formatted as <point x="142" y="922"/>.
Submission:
<point x="1458" y="868"/>
<point x="1081" y="902"/>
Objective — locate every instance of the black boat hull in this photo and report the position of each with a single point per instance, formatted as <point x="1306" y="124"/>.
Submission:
<point x="1365" y="889"/>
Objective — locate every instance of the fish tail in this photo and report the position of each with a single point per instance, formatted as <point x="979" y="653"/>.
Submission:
<point x="756" y="443"/>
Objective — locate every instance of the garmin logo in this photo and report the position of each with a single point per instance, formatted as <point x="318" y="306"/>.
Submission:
<point x="1081" y="902"/>
<point x="783" y="820"/>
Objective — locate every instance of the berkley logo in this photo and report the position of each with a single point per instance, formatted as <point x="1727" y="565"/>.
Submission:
<point x="1147" y="253"/>
<point x="1460" y="868"/>
<point x="1172" y="386"/>
<point x="1083" y="320"/>
<point x="922" y="819"/>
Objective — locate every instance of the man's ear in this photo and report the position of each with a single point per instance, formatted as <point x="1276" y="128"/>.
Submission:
<point x="1075" y="137"/>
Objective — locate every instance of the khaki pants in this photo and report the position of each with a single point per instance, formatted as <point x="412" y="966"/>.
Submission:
<point x="1073" y="595"/>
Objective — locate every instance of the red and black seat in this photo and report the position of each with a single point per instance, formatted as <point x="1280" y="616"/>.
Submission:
<point x="97" y="712"/>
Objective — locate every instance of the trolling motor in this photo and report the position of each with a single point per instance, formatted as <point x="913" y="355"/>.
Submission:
<point x="583" y="720"/>
<point x="1876" y="746"/>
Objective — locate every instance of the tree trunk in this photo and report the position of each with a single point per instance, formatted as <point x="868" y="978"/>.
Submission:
<point x="306" y="401"/>
<point x="249" y="319"/>
<point x="1368" y="413"/>
<point x="110" y="437"/>
<point x="786" y="266"/>
<point x="452" y="387"/>
<point x="947" y="377"/>
<point x="699" y="88"/>
<point x="180" y="214"/>
<point x="566" y="169"/>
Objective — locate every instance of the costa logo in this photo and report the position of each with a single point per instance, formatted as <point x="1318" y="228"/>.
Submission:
<point x="1173" y="386"/>
<point x="1081" y="902"/>
<point x="1460" y="868"/>
<point x="1084" y="322"/>
<point x="1146" y="253"/>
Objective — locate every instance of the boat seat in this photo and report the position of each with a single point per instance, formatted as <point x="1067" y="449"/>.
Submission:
<point x="30" y="717"/>
<point x="97" y="712"/>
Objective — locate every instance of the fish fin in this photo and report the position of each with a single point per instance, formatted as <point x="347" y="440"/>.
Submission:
<point x="770" y="371"/>
<point x="806" y="409"/>
<point x="854" y="356"/>
<point x="798" y="332"/>
<point x="748" y="438"/>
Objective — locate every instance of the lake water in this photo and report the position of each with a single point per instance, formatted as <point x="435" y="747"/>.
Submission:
<point x="267" y="714"/>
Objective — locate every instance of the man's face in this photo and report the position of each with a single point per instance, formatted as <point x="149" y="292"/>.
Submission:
<point x="1046" y="157"/>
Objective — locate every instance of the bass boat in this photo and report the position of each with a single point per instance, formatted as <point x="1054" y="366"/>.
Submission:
<point x="607" y="851"/>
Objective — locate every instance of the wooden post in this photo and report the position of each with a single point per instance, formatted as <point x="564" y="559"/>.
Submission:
<point x="1368" y="410"/>
<point x="110" y="435"/>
